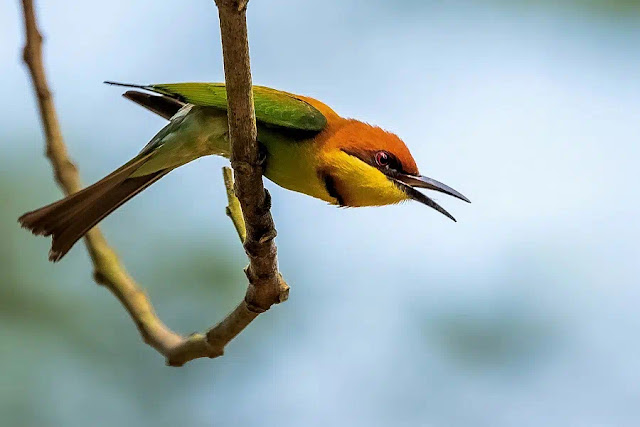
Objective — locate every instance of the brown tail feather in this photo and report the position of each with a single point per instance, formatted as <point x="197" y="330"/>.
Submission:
<point x="37" y="221"/>
<point x="86" y="217"/>
<point x="69" y="219"/>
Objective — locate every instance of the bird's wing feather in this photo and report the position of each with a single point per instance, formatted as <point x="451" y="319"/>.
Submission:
<point x="272" y="106"/>
<point x="162" y="105"/>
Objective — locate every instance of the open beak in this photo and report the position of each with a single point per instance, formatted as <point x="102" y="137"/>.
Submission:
<point x="409" y="183"/>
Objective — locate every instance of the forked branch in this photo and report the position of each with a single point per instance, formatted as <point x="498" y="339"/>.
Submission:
<point x="109" y="271"/>
<point x="266" y="286"/>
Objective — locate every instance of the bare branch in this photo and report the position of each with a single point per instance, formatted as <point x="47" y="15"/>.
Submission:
<point x="108" y="270"/>
<point x="266" y="285"/>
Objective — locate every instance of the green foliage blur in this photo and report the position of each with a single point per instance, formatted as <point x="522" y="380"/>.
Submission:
<point x="57" y="321"/>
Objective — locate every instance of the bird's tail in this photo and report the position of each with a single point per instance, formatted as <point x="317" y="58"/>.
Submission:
<point x="69" y="219"/>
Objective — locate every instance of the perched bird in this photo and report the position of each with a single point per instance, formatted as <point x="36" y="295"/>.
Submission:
<point x="305" y="145"/>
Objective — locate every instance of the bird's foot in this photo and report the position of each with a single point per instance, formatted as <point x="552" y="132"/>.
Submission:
<point x="262" y="156"/>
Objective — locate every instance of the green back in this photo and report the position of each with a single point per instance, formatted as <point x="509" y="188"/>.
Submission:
<point x="272" y="106"/>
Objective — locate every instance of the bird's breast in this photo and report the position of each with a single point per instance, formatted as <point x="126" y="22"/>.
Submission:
<point x="294" y="164"/>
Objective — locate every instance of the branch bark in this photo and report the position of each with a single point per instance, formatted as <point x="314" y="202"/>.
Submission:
<point x="266" y="285"/>
<point x="109" y="271"/>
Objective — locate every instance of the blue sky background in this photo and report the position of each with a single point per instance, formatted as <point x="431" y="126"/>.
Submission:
<point x="525" y="312"/>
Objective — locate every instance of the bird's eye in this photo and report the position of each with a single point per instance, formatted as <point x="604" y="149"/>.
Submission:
<point x="382" y="159"/>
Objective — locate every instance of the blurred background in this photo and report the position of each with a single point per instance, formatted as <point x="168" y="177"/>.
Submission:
<point x="525" y="312"/>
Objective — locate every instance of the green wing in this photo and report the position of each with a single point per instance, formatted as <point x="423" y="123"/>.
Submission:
<point x="272" y="106"/>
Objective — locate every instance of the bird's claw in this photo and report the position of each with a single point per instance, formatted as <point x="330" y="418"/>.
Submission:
<point x="262" y="156"/>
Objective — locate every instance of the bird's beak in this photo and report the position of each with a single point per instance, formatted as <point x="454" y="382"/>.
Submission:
<point x="430" y="184"/>
<point x="409" y="183"/>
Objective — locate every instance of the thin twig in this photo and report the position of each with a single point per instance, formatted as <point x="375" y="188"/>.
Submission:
<point x="108" y="270"/>
<point x="234" y="211"/>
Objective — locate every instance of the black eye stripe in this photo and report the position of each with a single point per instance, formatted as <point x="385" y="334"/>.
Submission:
<point x="370" y="157"/>
<point x="386" y="160"/>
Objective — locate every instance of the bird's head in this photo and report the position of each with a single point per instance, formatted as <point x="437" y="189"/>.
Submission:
<point x="369" y="166"/>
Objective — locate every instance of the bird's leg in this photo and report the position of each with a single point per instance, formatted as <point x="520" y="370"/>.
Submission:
<point x="262" y="156"/>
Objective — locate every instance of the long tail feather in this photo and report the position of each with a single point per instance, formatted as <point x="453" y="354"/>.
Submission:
<point x="69" y="219"/>
<point x="88" y="216"/>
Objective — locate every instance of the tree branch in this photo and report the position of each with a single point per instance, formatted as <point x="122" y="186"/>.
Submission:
<point x="108" y="270"/>
<point x="266" y="285"/>
<point x="234" y="211"/>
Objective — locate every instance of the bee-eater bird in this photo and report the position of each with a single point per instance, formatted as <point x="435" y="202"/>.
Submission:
<point x="305" y="146"/>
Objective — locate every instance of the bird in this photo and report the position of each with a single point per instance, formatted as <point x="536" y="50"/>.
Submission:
<point x="305" y="146"/>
